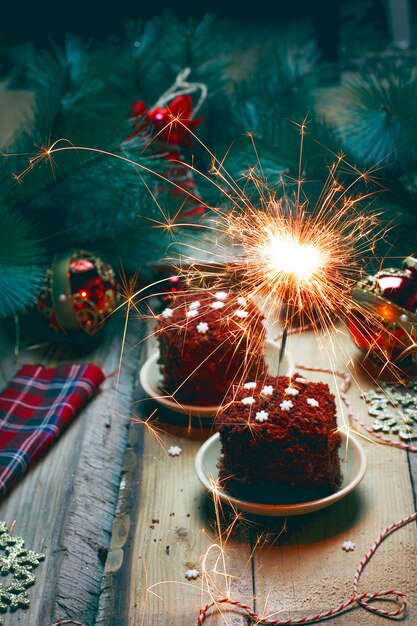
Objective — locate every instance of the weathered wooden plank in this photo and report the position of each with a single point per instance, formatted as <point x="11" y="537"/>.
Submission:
<point x="65" y="505"/>
<point x="145" y="581"/>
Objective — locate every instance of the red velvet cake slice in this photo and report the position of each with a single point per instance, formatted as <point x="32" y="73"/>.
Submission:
<point x="209" y="341"/>
<point x="279" y="441"/>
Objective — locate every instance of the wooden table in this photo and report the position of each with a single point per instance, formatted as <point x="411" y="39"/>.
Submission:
<point x="109" y="483"/>
<point x="295" y="566"/>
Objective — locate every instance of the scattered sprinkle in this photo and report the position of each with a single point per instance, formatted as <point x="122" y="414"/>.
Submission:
<point x="312" y="402"/>
<point x="249" y="386"/>
<point x="291" y="391"/>
<point x="268" y="390"/>
<point x="202" y="327"/>
<point x="248" y="400"/>
<point x="174" y="450"/>
<point x="241" y="301"/>
<point x="241" y="313"/>
<point x="194" y="305"/>
<point x="348" y="546"/>
<point x="217" y="304"/>
<point x="261" y="416"/>
<point x="191" y="313"/>
<point x="301" y="380"/>
<point x="286" y="405"/>
<point x="167" y="313"/>
<point x="221" y="295"/>
<point x="192" y="574"/>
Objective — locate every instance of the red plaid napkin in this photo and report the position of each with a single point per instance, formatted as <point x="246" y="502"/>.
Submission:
<point x="36" y="406"/>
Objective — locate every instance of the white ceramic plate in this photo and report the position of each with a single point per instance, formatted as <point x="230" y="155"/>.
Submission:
<point x="150" y="379"/>
<point x="353" y="462"/>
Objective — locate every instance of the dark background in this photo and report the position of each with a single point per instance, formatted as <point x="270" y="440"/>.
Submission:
<point x="39" y="21"/>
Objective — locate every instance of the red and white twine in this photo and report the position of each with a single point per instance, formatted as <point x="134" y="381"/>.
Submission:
<point x="362" y="599"/>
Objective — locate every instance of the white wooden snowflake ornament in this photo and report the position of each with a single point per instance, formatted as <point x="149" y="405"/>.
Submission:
<point x="202" y="327"/>
<point x="241" y="313"/>
<point x="174" y="450"/>
<point x="312" y="402"/>
<point x="348" y="546"/>
<point x="286" y="405"/>
<point x="192" y="574"/>
<point x="268" y="390"/>
<point x="301" y="380"/>
<point x="167" y="313"/>
<point x="241" y="301"/>
<point x="191" y="313"/>
<point x="291" y="391"/>
<point x="261" y="416"/>
<point x="218" y="304"/>
<point x="249" y="386"/>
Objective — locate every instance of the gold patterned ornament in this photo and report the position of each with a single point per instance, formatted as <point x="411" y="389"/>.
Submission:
<point x="17" y="561"/>
<point x="80" y="293"/>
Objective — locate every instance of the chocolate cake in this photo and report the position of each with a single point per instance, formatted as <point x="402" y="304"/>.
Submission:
<point x="279" y="441"/>
<point x="208" y="341"/>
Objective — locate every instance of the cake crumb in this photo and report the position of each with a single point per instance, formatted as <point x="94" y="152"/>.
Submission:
<point x="174" y="450"/>
<point x="192" y="574"/>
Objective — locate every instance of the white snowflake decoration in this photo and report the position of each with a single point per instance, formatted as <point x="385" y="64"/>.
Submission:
<point x="202" y="327"/>
<point x="248" y="400"/>
<point x="268" y="390"/>
<point x="301" y="380"/>
<point x="286" y="405"/>
<point x="218" y="304"/>
<point x="174" y="450"/>
<point x="221" y="295"/>
<point x="249" y="386"/>
<point x="291" y="391"/>
<point x="192" y="574"/>
<point x="241" y="301"/>
<point x="241" y="313"/>
<point x="167" y="313"/>
<point x="261" y="416"/>
<point x="194" y="305"/>
<point x="191" y="313"/>
<point x="348" y="546"/>
<point x="312" y="402"/>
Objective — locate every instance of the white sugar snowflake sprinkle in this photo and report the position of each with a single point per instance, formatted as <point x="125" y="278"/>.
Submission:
<point x="217" y="304"/>
<point x="291" y="391"/>
<point x="348" y="546"/>
<point x="241" y="313"/>
<point x="248" y="400"/>
<point x="286" y="405"/>
<point x="191" y="313"/>
<point x="261" y="416"/>
<point x="194" y="305"/>
<point x="221" y="295"/>
<point x="241" y="301"/>
<point x="301" y="380"/>
<point x="202" y="327"/>
<point x="192" y="574"/>
<point x="268" y="390"/>
<point x="167" y="313"/>
<point x="312" y="402"/>
<point x="249" y="386"/>
<point x="174" y="450"/>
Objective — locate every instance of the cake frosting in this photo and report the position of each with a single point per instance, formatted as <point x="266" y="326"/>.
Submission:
<point x="209" y="341"/>
<point x="279" y="440"/>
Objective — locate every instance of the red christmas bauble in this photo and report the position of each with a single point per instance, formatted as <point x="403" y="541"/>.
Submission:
<point x="384" y="322"/>
<point x="80" y="292"/>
